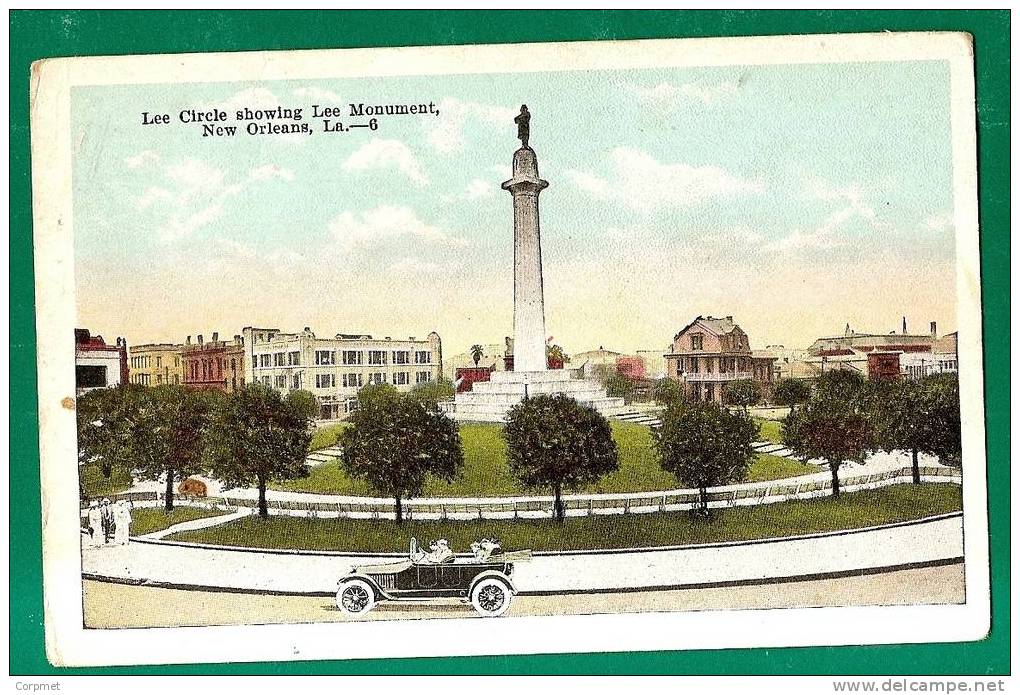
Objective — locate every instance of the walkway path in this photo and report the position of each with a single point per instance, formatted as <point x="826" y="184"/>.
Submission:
<point x="195" y="524"/>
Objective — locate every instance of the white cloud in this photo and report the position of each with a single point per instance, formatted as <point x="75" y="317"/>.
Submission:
<point x="639" y="181"/>
<point x="415" y="266"/>
<point x="153" y="195"/>
<point x="193" y="195"/>
<point x="842" y="226"/>
<point x="386" y="223"/>
<point x="382" y="154"/>
<point x="479" y="188"/>
<point x="141" y="159"/>
<point x="666" y="96"/>
<point x="448" y="135"/>
<point x="271" y="171"/>
<point x="317" y="95"/>
<point x="939" y="222"/>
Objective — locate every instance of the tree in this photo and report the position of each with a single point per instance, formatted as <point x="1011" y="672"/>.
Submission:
<point x="477" y="352"/>
<point x="169" y="435"/>
<point x="371" y="393"/>
<point x="831" y="428"/>
<point x="791" y="392"/>
<point x="105" y="422"/>
<point x="616" y="384"/>
<point x="432" y="393"/>
<point x="554" y="441"/>
<point x="742" y="392"/>
<point x="943" y="394"/>
<point x="258" y="436"/>
<point x="555" y="353"/>
<point x="667" y="391"/>
<point x="705" y="445"/>
<point x="304" y="402"/>
<point x="395" y="444"/>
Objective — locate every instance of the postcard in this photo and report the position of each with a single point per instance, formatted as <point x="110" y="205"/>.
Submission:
<point x="499" y="349"/>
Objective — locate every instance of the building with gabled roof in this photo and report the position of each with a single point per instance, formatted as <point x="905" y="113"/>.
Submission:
<point x="709" y="353"/>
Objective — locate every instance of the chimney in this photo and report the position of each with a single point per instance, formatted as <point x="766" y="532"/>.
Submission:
<point x="200" y="339"/>
<point x="847" y="331"/>
<point x="215" y="336"/>
<point x="730" y="319"/>
<point x="188" y="341"/>
<point x="904" y="325"/>
<point x="934" y="332"/>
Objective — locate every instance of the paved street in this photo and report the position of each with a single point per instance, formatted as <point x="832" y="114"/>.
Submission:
<point x="117" y="605"/>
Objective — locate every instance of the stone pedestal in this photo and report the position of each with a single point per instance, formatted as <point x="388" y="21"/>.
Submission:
<point x="489" y="401"/>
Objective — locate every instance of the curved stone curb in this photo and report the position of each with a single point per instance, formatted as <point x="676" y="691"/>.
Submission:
<point x="931" y="540"/>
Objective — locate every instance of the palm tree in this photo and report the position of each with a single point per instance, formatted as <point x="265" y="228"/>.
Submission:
<point x="476" y="353"/>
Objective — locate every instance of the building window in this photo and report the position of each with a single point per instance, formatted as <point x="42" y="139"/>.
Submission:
<point x="353" y="381"/>
<point x="325" y="357"/>
<point x="401" y="378"/>
<point x="89" y="376"/>
<point x="264" y="360"/>
<point x="296" y="381"/>
<point x="352" y="357"/>
<point x="423" y="357"/>
<point x="279" y="359"/>
<point x="281" y="382"/>
<point x="294" y="359"/>
<point x="266" y="381"/>
<point x="159" y="379"/>
<point x="697" y="342"/>
<point x="325" y="381"/>
<point x="401" y="357"/>
<point x="377" y="357"/>
<point x="377" y="378"/>
<point x="422" y="377"/>
<point x="710" y="392"/>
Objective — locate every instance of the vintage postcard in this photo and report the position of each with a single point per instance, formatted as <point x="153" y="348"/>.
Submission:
<point x="595" y="346"/>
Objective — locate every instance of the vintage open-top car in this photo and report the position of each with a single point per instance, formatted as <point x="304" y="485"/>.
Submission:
<point x="482" y="579"/>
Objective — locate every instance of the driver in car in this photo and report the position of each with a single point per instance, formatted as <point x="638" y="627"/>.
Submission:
<point x="439" y="552"/>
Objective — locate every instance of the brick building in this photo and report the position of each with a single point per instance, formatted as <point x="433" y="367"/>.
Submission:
<point x="217" y="364"/>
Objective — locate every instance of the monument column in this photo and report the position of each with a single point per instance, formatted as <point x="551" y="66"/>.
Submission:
<point x="529" y="302"/>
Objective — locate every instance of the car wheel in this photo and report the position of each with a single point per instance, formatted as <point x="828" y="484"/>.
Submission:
<point x="355" y="597"/>
<point x="491" y="597"/>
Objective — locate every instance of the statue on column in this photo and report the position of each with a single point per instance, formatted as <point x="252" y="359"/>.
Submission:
<point x="523" y="121"/>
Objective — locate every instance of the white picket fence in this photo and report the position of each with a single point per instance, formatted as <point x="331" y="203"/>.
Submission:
<point x="537" y="507"/>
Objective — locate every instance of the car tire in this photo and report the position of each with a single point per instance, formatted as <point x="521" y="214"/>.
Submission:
<point x="355" y="597"/>
<point x="491" y="597"/>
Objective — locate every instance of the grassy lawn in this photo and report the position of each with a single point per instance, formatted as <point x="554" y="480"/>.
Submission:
<point x="769" y="467"/>
<point x="769" y="430"/>
<point x="487" y="474"/>
<point x="851" y="510"/>
<point x="150" y="519"/>
<point x="326" y="436"/>
<point x="97" y="485"/>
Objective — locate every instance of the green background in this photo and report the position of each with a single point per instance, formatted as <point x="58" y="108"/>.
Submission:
<point x="42" y="34"/>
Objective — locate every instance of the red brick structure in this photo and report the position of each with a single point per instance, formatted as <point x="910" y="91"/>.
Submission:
<point x="464" y="377"/>
<point x="218" y="364"/>
<point x="631" y="367"/>
<point x="883" y="365"/>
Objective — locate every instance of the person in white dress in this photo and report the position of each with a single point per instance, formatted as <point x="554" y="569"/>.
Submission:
<point x="95" y="517"/>
<point x="122" y="522"/>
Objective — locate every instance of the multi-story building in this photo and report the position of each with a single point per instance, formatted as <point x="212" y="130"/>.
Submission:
<point x="709" y="353"/>
<point x="97" y="364"/>
<point x="155" y="364"/>
<point x="333" y="369"/>
<point x="853" y="342"/>
<point x="217" y="364"/>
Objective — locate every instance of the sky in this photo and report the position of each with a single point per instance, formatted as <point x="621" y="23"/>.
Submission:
<point x="795" y="198"/>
